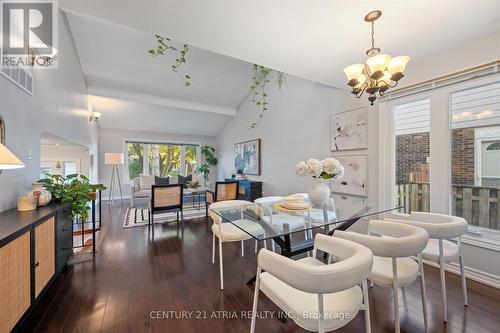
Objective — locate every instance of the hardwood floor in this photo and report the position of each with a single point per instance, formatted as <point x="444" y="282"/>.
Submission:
<point x="132" y="277"/>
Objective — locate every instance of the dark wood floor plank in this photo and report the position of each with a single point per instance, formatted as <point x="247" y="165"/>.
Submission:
<point x="132" y="279"/>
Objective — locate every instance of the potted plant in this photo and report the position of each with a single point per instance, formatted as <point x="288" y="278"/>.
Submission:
<point x="329" y="168"/>
<point x="210" y="161"/>
<point x="75" y="189"/>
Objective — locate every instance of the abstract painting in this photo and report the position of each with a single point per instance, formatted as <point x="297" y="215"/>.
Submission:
<point x="355" y="176"/>
<point x="348" y="130"/>
<point x="247" y="157"/>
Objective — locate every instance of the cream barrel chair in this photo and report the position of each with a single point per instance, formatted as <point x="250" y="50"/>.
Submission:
<point x="440" y="228"/>
<point x="392" y="265"/>
<point x="227" y="232"/>
<point x="316" y="296"/>
<point x="278" y="220"/>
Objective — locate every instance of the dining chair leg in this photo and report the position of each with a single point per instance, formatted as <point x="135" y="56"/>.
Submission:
<point x="273" y="246"/>
<point x="443" y="280"/>
<point x="321" y="320"/>
<point x="255" y="300"/>
<point x="221" y="266"/>
<point x="256" y="246"/>
<point x="395" y="294"/>
<point x="242" y="248"/>
<point x="462" y="272"/>
<point x="152" y="225"/>
<point x="213" y="248"/>
<point x="366" y="305"/>
<point x="422" y="289"/>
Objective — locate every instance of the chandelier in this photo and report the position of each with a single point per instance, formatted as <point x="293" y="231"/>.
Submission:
<point x="380" y="72"/>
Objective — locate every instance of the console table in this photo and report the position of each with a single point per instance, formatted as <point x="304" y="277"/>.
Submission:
<point x="34" y="248"/>
<point x="249" y="189"/>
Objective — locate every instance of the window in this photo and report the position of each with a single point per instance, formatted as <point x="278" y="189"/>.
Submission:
<point x="412" y="155"/>
<point x="135" y="159"/>
<point x="475" y="155"/>
<point x="160" y="159"/>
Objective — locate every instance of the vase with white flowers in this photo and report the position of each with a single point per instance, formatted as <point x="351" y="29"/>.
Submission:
<point x="329" y="168"/>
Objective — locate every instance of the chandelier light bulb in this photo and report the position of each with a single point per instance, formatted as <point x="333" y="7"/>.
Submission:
<point x="398" y="65"/>
<point x="378" y="64"/>
<point x="353" y="73"/>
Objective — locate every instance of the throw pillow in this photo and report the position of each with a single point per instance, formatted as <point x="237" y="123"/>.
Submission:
<point x="145" y="182"/>
<point x="161" y="180"/>
<point x="184" y="180"/>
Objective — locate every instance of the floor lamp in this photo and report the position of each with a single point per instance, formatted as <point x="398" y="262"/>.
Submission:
<point x="114" y="159"/>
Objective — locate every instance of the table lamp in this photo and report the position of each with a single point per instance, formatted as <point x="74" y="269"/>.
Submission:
<point x="9" y="160"/>
<point x="114" y="159"/>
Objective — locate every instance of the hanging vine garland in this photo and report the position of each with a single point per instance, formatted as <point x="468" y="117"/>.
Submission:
<point x="260" y="83"/>
<point x="163" y="44"/>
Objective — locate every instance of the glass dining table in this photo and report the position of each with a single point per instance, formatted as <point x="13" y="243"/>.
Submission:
<point x="293" y="230"/>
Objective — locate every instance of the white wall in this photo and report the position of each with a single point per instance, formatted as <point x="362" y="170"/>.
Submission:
<point x="58" y="106"/>
<point x="113" y="141"/>
<point x="442" y="62"/>
<point x="52" y="153"/>
<point x="296" y="127"/>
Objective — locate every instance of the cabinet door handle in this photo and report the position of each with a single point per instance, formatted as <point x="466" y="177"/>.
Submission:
<point x="65" y="248"/>
<point x="36" y="264"/>
<point x="64" y="229"/>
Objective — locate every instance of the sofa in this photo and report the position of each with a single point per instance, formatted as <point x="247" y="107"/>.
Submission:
<point x="141" y="186"/>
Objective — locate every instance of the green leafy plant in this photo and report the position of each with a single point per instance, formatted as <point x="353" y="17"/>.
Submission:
<point x="260" y="84"/>
<point x="163" y="44"/>
<point x="75" y="189"/>
<point x="193" y="184"/>
<point x="210" y="160"/>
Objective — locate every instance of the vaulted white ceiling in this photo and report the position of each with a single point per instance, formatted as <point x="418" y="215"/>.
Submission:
<point x="310" y="39"/>
<point x="143" y="93"/>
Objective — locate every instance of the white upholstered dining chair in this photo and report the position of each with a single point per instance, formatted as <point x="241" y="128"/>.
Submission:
<point x="316" y="296"/>
<point x="227" y="232"/>
<point x="392" y="248"/>
<point x="441" y="228"/>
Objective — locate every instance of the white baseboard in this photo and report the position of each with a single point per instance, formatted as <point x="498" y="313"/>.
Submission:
<point x="471" y="273"/>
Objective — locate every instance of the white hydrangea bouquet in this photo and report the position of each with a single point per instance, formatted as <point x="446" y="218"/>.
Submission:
<point x="329" y="168"/>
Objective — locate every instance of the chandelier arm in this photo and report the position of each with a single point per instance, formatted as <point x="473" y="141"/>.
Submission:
<point x="394" y="84"/>
<point x="358" y="95"/>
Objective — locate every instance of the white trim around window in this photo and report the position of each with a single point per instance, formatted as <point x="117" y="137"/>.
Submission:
<point x="440" y="152"/>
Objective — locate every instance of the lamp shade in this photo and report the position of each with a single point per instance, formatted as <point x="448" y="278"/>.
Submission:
<point x="398" y="64"/>
<point x="113" y="158"/>
<point x="354" y="72"/>
<point x="9" y="160"/>
<point x="378" y="63"/>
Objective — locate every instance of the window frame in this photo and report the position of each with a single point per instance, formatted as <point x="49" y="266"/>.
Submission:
<point x="125" y="141"/>
<point x="440" y="152"/>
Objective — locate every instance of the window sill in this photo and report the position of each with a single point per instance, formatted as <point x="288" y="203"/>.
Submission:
<point x="488" y="239"/>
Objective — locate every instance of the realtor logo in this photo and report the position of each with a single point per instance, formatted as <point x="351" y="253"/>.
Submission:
<point x="29" y="33"/>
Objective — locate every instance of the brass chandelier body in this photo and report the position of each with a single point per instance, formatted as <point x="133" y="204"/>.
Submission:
<point x="380" y="72"/>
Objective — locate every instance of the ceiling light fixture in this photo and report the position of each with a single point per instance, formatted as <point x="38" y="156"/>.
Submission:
<point x="380" y="72"/>
<point x="94" y="116"/>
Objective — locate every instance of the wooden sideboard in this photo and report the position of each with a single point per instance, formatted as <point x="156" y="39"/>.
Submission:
<point x="34" y="247"/>
<point x="249" y="189"/>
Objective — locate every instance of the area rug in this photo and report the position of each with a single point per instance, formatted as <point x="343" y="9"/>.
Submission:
<point x="138" y="217"/>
